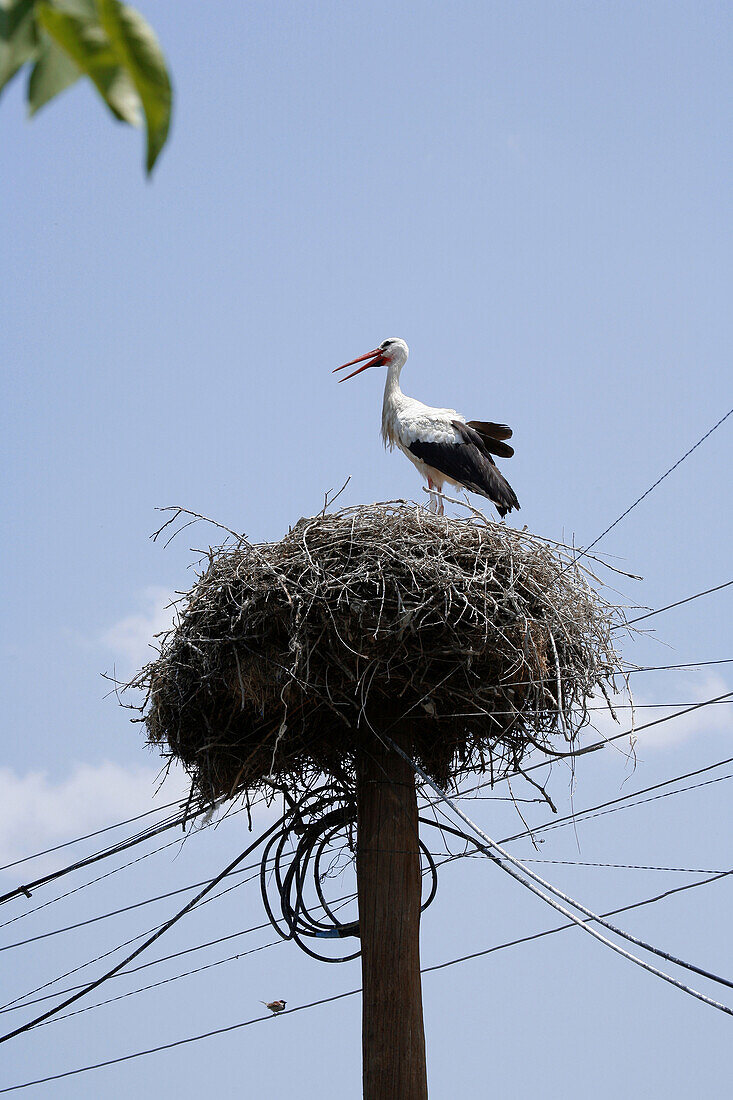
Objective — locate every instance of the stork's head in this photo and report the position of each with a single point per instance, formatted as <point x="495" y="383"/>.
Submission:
<point x="392" y="352"/>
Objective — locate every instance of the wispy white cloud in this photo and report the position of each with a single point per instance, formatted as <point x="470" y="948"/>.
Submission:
<point x="37" y="811"/>
<point x="132" y="639"/>
<point x="711" y="720"/>
<point x="686" y="688"/>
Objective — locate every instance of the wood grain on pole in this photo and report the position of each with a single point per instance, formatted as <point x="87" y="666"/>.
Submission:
<point x="389" y="887"/>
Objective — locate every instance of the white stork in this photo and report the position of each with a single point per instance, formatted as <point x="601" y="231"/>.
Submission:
<point x="440" y="442"/>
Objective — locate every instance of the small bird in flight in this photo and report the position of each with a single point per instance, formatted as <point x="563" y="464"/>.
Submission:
<point x="440" y="442"/>
<point x="274" y="1006"/>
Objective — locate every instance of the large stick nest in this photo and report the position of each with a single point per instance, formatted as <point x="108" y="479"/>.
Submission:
<point x="473" y="641"/>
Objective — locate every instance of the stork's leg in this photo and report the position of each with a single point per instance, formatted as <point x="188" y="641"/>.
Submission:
<point x="441" y="508"/>
<point x="433" y="499"/>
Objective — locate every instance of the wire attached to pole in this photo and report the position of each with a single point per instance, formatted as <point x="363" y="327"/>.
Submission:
<point x="537" y="885"/>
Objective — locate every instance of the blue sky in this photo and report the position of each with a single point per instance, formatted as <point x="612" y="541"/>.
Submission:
<point x="537" y="198"/>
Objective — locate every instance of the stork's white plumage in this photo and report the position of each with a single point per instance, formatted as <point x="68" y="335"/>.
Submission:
<point x="440" y="442"/>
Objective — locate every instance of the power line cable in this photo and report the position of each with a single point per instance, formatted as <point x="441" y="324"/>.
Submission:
<point x="537" y="885"/>
<point x="149" y="834"/>
<point x="614" y="946"/>
<point x="105" y="954"/>
<point x="128" y="821"/>
<point x="102" y="855"/>
<point x="89" y="836"/>
<point x="579" y="815"/>
<point x="715" y="875"/>
<point x="15" y="1003"/>
<point x="626" y="866"/>
<point x="348" y="993"/>
<point x="111" y="912"/>
<point x="163" y="981"/>
<point x="571" y="924"/>
<point x="599" y="918"/>
<point x="151" y="939"/>
<point x="653" y="798"/>
<point x="14" y="1007"/>
<point x="350" y="897"/>
<point x="92" y="882"/>
<point x="693" y="665"/>
<point x="632" y="732"/>
<point x="123" y="846"/>
<point x="553" y="823"/>
<point x="677" y="603"/>
<point x="651" y="488"/>
<point x="180" y="1042"/>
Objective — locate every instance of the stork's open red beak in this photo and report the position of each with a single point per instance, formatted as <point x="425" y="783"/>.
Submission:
<point x="377" y="361"/>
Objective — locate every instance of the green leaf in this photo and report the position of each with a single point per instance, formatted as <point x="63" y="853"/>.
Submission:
<point x="18" y="37"/>
<point x="52" y="73"/>
<point x="138" y="48"/>
<point x="86" y="43"/>
<point x="78" y="7"/>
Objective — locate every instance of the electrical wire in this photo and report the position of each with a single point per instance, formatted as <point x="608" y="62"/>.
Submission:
<point x="674" y="668"/>
<point x="163" y="981"/>
<point x="677" y="603"/>
<point x="180" y="1042"/>
<point x="185" y="974"/>
<point x="651" y="488"/>
<point x="16" y="1003"/>
<point x="600" y="744"/>
<point x="344" y="900"/>
<point x="579" y="815"/>
<point x="571" y="924"/>
<point x="127" y="821"/>
<point x="554" y="823"/>
<point x="110" y="912"/>
<point x="626" y="866"/>
<point x="330" y="812"/>
<point x="537" y="885"/>
<point x="180" y="819"/>
<point x="27" y="889"/>
<point x="89" y="836"/>
<point x="14" y="1007"/>
<point x="148" y="942"/>
<point x="91" y="882"/>
<point x="295" y="876"/>
<point x="654" y="798"/>
<point x="349" y="897"/>
<point x="606" y="924"/>
<point x="105" y="954"/>
<point x="463" y="836"/>
<point x="631" y="732"/>
<point x="348" y="993"/>
<point x="123" y="846"/>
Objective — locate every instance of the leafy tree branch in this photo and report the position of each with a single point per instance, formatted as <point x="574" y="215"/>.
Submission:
<point x="58" y="41"/>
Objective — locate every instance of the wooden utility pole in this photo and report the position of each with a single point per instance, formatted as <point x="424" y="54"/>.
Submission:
<point x="389" y="887"/>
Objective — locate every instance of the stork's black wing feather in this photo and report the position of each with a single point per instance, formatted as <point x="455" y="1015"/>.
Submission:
<point x="495" y="431"/>
<point x="492" y="435"/>
<point x="468" y="463"/>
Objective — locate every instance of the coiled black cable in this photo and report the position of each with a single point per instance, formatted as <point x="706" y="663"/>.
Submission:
<point x="311" y="828"/>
